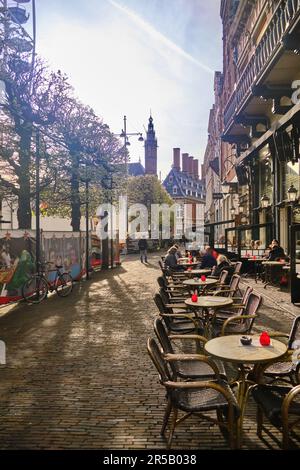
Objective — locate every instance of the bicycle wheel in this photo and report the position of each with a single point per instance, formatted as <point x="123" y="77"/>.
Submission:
<point x="64" y="284"/>
<point x="35" y="289"/>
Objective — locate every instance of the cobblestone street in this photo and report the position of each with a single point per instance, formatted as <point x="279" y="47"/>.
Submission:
<point x="78" y="374"/>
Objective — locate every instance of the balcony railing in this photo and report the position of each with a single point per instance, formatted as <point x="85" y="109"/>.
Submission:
<point x="284" y="17"/>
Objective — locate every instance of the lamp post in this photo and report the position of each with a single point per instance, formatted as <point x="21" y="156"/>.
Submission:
<point x="109" y="186"/>
<point x="87" y="181"/>
<point x="37" y="200"/>
<point x="111" y="224"/>
<point x="124" y="134"/>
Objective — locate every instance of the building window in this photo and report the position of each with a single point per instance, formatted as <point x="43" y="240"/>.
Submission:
<point x="175" y="190"/>
<point x="179" y="212"/>
<point x="171" y="178"/>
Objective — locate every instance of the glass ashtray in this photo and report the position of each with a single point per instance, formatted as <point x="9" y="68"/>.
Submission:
<point x="246" y="340"/>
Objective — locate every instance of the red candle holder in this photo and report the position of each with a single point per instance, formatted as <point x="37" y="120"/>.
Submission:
<point x="264" y="339"/>
<point x="203" y="278"/>
<point x="194" y="298"/>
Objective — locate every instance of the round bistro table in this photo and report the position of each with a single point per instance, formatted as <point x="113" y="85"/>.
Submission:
<point x="229" y="349"/>
<point x="206" y="302"/>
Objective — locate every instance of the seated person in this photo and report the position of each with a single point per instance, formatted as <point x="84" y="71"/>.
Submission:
<point x="223" y="264"/>
<point x="171" y="260"/>
<point x="208" y="259"/>
<point x="178" y="252"/>
<point x="257" y="244"/>
<point x="276" y="251"/>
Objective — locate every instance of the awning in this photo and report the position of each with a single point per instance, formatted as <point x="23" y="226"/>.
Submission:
<point x="263" y="140"/>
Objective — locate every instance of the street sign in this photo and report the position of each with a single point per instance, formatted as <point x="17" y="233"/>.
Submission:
<point x="217" y="196"/>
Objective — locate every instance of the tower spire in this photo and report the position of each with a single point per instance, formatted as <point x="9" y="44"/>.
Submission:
<point x="151" y="149"/>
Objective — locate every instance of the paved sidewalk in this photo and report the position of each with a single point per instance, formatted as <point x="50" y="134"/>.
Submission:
<point x="78" y="374"/>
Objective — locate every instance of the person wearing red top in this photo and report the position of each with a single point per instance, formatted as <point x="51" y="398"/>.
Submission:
<point x="214" y="253"/>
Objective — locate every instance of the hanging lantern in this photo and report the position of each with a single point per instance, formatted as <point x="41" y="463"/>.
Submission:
<point x="265" y="201"/>
<point x="225" y="187"/>
<point x="292" y="193"/>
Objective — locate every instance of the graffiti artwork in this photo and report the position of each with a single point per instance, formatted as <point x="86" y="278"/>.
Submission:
<point x="63" y="249"/>
<point x="17" y="263"/>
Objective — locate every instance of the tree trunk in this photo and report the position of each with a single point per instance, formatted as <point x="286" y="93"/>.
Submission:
<point x="75" y="196"/>
<point x="24" y="208"/>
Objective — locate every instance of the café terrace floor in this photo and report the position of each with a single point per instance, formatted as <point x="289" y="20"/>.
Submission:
<point x="78" y="374"/>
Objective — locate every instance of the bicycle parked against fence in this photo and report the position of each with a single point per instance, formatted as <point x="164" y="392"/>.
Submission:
<point x="37" y="286"/>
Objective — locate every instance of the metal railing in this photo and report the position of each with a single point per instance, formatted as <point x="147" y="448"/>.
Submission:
<point x="284" y="17"/>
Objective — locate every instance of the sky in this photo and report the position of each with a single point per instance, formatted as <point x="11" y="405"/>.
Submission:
<point x="127" y="57"/>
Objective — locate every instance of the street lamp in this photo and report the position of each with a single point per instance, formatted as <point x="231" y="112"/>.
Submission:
<point x="225" y="187"/>
<point x="124" y="134"/>
<point x="232" y="211"/>
<point x="87" y="181"/>
<point x="292" y="194"/>
<point x="265" y="201"/>
<point x="109" y="186"/>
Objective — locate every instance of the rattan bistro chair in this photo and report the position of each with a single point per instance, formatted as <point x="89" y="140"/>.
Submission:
<point x="287" y="370"/>
<point x="180" y="323"/>
<point x="237" y="267"/>
<point x="240" y="324"/>
<point x="228" y="290"/>
<point x="188" y="370"/>
<point x="200" y="397"/>
<point x="281" y="405"/>
<point x="236" y="308"/>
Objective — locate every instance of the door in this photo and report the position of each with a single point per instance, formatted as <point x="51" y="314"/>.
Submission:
<point x="295" y="263"/>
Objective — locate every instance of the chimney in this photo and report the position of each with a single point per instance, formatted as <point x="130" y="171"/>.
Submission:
<point x="185" y="162"/>
<point x="191" y="166"/>
<point x="196" y="169"/>
<point x="176" y="159"/>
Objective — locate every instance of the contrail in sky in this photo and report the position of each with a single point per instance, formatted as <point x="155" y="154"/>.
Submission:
<point x="148" y="28"/>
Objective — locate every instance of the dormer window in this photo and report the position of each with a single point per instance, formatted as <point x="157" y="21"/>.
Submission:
<point x="171" y="178"/>
<point x="174" y="189"/>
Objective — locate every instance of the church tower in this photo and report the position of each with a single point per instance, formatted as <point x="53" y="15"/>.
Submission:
<point x="151" y="150"/>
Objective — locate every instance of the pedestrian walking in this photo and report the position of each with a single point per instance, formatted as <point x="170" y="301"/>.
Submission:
<point x="143" y="247"/>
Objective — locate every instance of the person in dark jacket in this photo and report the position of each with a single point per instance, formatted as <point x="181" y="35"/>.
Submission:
<point x="208" y="260"/>
<point x="223" y="264"/>
<point x="276" y="251"/>
<point x="171" y="260"/>
<point x="143" y="247"/>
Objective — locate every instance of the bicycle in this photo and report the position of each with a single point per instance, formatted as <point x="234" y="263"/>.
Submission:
<point x="36" y="288"/>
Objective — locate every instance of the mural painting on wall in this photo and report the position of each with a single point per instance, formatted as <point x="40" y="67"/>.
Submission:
<point x="96" y="254"/>
<point x="17" y="263"/>
<point x="63" y="250"/>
